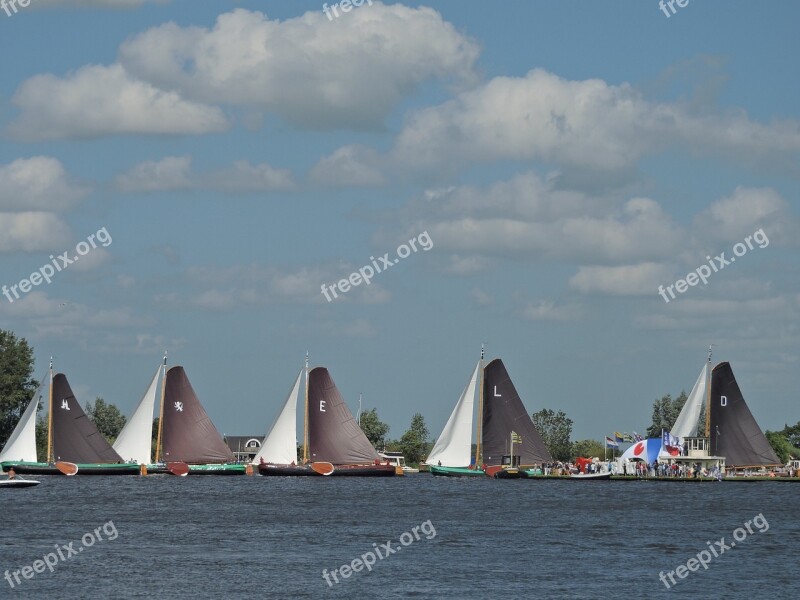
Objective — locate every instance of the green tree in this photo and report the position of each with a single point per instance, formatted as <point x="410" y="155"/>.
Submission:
<point x="414" y="443"/>
<point x="41" y="439"/>
<point x="587" y="449"/>
<point x="373" y="427"/>
<point x="16" y="383"/>
<point x="782" y="446"/>
<point x="556" y="431"/>
<point x="792" y="434"/>
<point x="665" y="413"/>
<point x="106" y="417"/>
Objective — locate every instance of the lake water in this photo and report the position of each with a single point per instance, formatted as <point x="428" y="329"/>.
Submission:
<point x="254" y="537"/>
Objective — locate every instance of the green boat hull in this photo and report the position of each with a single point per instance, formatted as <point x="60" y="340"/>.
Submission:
<point x="37" y="468"/>
<point x="224" y="469"/>
<point x="456" y="472"/>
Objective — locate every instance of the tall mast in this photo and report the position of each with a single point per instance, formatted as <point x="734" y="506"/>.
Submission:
<point x="480" y="415"/>
<point x="50" y="417"/>
<point x="708" y="394"/>
<point x="305" y="419"/>
<point x="161" y="411"/>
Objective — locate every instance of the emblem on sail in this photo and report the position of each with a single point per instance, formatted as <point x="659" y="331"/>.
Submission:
<point x="64" y="404"/>
<point x="179" y="406"/>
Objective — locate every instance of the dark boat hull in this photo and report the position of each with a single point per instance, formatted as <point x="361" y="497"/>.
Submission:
<point x="83" y="469"/>
<point x="270" y="470"/>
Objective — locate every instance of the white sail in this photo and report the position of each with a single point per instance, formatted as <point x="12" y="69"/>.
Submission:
<point x="21" y="446"/>
<point x="454" y="446"/>
<point x="280" y="445"/>
<point x="686" y="423"/>
<point x="135" y="440"/>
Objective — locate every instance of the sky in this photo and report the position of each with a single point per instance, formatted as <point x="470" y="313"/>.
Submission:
<point x="554" y="162"/>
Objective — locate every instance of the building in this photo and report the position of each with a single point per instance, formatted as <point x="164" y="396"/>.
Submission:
<point x="244" y="447"/>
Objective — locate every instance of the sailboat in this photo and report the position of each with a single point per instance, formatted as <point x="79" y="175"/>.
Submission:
<point x="334" y="444"/>
<point x="73" y="442"/>
<point x="187" y="435"/>
<point x="734" y="432"/>
<point x="504" y="422"/>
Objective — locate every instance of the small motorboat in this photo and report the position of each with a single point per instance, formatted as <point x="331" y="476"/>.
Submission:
<point x="18" y="483"/>
<point x="601" y="475"/>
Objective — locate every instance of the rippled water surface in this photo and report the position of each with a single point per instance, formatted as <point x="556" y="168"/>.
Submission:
<point x="254" y="537"/>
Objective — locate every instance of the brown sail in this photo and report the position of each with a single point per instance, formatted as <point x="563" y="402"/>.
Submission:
<point x="188" y="435"/>
<point x="734" y="432"/>
<point x="75" y="437"/>
<point x="504" y="412"/>
<point x="333" y="434"/>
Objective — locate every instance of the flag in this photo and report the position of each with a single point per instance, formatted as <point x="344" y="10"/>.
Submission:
<point x="637" y="437"/>
<point x="515" y="437"/>
<point x="611" y="443"/>
<point x="618" y="437"/>
<point x="671" y="444"/>
<point x="627" y="437"/>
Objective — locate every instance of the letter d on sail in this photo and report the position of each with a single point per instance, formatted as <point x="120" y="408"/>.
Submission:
<point x="723" y="401"/>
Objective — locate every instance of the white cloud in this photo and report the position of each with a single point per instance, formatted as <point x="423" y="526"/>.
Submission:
<point x="175" y="173"/>
<point x="38" y="183"/>
<point x="626" y="280"/>
<point x="546" y="310"/>
<point x="310" y="71"/>
<point x="32" y="232"/>
<point x="98" y="100"/>
<point x="588" y="123"/>
<point x="352" y="165"/>
<point x="170" y="173"/>
<point x="246" y="177"/>
<point x="746" y="210"/>
<point x="527" y="218"/>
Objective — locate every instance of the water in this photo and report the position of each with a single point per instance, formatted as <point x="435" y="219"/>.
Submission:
<point x="254" y="537"/>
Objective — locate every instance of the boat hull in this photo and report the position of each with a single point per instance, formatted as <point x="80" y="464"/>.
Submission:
<point x="224" y="469"/>
<point x="590" y="476"/>
<point x="455" y="471"/>
<point x="17" y="483"/>
<point x="26" y="468"/>
<point x="271" y="470"/>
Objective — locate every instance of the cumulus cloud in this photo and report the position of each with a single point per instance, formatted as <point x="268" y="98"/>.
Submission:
<point x="747" y="209"/>
<point x="528" y="218"/>
<point x="105" y="100"/>
<point x="38" y="183"/>
<point x="352" y="165"/>
<point x="587" y="123"/>
<point x="546" y="310"/>
<point x="170" y="173"/>
<point x="175" y="173"/>
<point x="32" y="231"/>
<point x="305" y="69"/>
<point x="626" y="280"/>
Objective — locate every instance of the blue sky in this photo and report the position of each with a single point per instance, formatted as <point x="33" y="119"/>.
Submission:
<point x="565" y="158"/>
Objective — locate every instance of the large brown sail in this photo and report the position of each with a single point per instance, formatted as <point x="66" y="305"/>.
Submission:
<point x="188" y="435"/>
<point x="333" y="434"/>
<point x="75" y="437"/>
<point x="504" y="412"/>
<point x="734" y="432"/>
